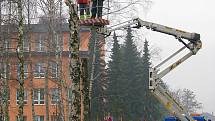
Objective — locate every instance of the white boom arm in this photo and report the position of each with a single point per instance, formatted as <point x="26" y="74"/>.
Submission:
<point x="167" y="100"/>
<point x="168" y="30"/>
<point x="194" y="44"/>
<point x="137" y="23"/>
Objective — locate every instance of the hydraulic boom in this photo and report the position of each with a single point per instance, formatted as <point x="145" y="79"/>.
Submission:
<point x="190" y="41"/>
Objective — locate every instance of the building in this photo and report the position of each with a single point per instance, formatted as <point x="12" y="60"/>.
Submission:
<point x="46" y="65"/>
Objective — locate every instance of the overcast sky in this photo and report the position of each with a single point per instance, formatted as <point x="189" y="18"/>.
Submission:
<point x="196" y="73"/>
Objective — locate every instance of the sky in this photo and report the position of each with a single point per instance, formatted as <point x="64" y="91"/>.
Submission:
<point x="197" y="72"/>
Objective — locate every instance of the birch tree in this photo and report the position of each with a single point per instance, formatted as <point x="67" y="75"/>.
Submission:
<point x="74" y="61"/>
<point x="30" y="5"/>
<point x="20" y="54"/>
<point x="4" y="71"/>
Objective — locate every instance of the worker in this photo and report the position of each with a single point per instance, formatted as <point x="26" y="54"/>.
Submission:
<point x="84" y="6"/>
<point x="97" y="8"/>
<point x="109" y="118"/>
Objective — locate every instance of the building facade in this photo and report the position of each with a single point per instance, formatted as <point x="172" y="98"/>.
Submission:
<point x="46" y="69"/>
<point x="46" y="72"/>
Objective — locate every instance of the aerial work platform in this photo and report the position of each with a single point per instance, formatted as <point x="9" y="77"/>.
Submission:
<point x="86" y="34"/>
<point x="94" y="22"/>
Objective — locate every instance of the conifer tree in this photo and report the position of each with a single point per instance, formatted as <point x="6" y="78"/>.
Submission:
<point x="114" y="81"/>
<point x="130" y="80"/>
<point x="153" y="110"/>
<point x="128" y="95"/>
<point x="96" y="87"/>
<point x="97" y="109"/>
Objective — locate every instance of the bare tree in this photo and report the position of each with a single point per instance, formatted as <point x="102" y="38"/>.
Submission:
<point x="123" y="10"/>
<point x="52" y="16"/>
<point x="30" y="5"/>
<point x="8" y="19"/>
<point x="4" y="73"/>
<point x="188" y="99"/>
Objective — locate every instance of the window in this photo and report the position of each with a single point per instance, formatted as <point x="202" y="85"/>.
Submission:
<point x="39" y="70"/>
<point x="54" y="69"/>
<point x="54" y="95"/>
<point x="40" y="43"/>
<point x="25" y="118"/>
<point x="6" y="95"/>
<point x="7" y="45"/>
<point x="39" y="118"/>
<point x="25" y="96"/>
<point x="39" y="96"/>
<point x="55" y="118"/>
<point x="25" y="71"/>
<point x="59" y="42"/>
<point x="70" y="95"/>
<point x="4" y="71"/>
<point x="26" y="44"/>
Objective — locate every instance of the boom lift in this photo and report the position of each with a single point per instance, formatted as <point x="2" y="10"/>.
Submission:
<point x="193" y="43"/>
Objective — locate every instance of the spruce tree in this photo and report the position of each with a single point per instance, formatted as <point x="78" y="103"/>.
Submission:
<point x="97" y="68"/>
<point x="114" y="78"/>
<point x="130" y="80"/>
<point x="153" y="110"/>
<point x="128" y="95"/>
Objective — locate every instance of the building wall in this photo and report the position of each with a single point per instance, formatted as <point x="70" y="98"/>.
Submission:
<point x="40" y="109"/>
<point x="37" y="82"/>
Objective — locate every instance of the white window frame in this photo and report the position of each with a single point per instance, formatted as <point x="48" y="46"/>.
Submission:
<point x="54" y="69"/>
<point x="55" y="96"/>
<point x="3" y="74"/>
<point x="39" y="118"/>
<point x="8" y="97"/>
<point x="26" y="45"/>
<point x="7" y="45"/>
<point x="55" y="117"/>
<point x="39" y="93"/>
<point x="59" y="41"/>
<point x="41" y="71"/>
<point x="40" y="45"/>
<point x="3" y="71"/>
<point x="25" y="97"/>
<point x="70" y="95"/>
<point x="25" y="118"/>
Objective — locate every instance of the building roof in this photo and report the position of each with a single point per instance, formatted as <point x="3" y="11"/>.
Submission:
<point x="44" y="28"/>
<point x="64" y="27"/>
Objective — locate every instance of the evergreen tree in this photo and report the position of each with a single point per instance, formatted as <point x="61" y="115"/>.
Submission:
<point x="128" y="93"/>
<point x="153" y="110"/>
<point x="114" y="79"/>
<point x="96" y="70"/>
<point x="131" y="90"/>
<point x="97" y="99"/>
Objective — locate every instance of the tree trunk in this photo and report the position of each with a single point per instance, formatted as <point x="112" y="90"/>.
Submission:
<point x="21" y="61"/>
<point x="31" y="68"/>
<point x="47" y="93"/>
<point x="92" y="49"/>
<point x="85" y="89"/>
<point x="5" y="92"/>
<point x="74" y="61"/>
